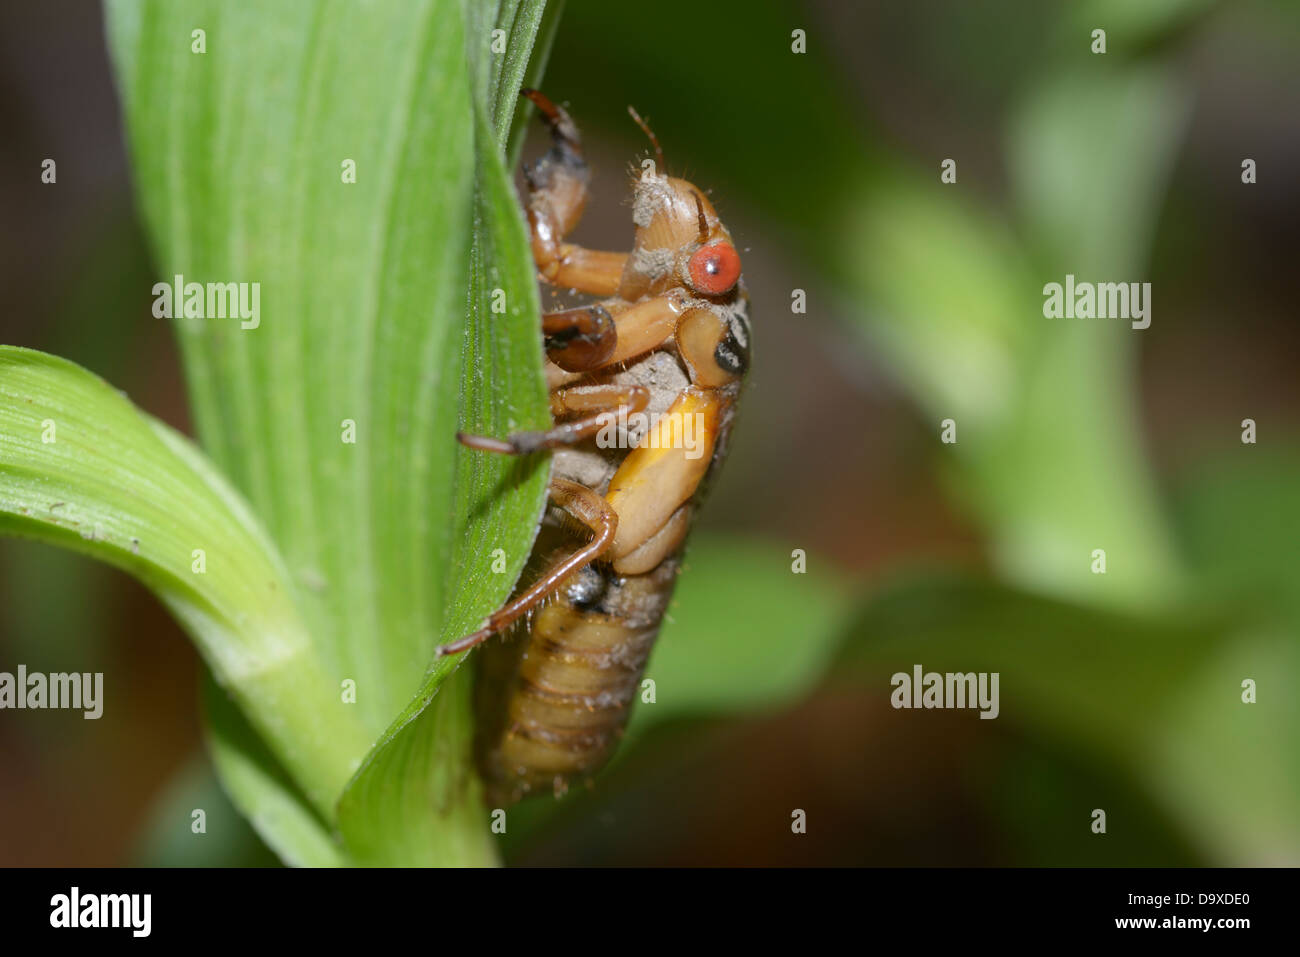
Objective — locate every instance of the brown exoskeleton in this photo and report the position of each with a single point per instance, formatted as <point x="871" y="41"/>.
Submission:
<point x="643" y="387"/>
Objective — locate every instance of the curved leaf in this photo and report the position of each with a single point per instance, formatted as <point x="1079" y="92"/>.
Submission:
<point x="80" y="467"/>
<point x="259" y="786"/>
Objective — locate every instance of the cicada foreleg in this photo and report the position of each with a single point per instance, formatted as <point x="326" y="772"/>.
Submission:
<point x="582" y="338"/>
<point x="557" y="188"/>
<point x="587" y="507"/>
<point x="586" y="338"/>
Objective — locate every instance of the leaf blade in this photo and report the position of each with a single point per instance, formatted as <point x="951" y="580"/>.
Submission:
<point x="238" y="154"/>
<point x="500" y="502"/>
<point x="113" y="484"/>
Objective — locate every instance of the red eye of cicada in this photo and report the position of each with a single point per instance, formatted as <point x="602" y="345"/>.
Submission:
<point x="714" y="268"/>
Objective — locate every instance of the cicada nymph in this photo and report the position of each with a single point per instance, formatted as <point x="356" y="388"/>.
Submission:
<point x="643" y="383"/>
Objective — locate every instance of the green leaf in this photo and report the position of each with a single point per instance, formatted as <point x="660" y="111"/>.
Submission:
<point x="1048" y="454"/>
<point x="80" y="467"/>
<point x="1239" y="519"/>
<point x="169" y="837"/>
<point x="1081" y="135"/>
<point x="958" y="344"/>
<point x="744" y="631"/>
<point x="376" y="316"/>
<point x="1088" y="675"/>
<point x="259" y="786"/>
<point x="1230" y="771"/>
<point x="238" y="156"/>
<point x="1158" y="699"/>
<point x="1130" y="26"/>
<point x="385" y="813"/>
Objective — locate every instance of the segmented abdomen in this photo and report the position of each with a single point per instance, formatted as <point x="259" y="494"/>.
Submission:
<point x="553" y="699"/>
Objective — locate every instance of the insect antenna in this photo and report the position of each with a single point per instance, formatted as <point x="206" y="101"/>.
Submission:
<point x="702" y="219"/>
<point x="654" y="140"/>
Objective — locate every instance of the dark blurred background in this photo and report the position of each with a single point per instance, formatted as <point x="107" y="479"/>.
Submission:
<point x="817" y="162"/>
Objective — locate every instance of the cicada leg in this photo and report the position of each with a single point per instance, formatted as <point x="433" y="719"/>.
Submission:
<point x="582" y="338"/>
<point x="600" y="401"/>
<point x="587" y="338"/>
<point x="590" y="509"/>
<point x="557" y="186"/>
